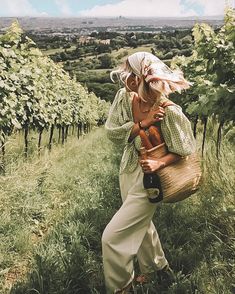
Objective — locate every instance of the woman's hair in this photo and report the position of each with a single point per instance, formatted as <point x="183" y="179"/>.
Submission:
<point x="158" y="85"/>
<point x="122" y="73"/>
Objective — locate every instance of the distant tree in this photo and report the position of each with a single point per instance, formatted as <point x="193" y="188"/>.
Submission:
<point x="142" y="41"/>
<point x="122" y="54"/>
<point x="106" y="61"/>
<point x="153" y="51"/>
<point x="102" y="48"/>
<point x="105" y="91"/>
<point x="94" y="34"/>
<point x="79" y="51"/>
<point x="63" y="56"/>
<point x="176" y="51"/>
<point x="119" y="42"/>
<point x="130" y="35"/>
<point x="186" y="52"/>
<point x="132" y="43"/>
<point x="168" y="55"/>
<point x="66" y="46"/>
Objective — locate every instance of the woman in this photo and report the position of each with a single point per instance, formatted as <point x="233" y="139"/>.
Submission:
<point x="131" y="232"/>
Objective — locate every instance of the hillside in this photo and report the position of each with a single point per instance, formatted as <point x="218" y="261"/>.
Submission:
<point x="55" y="209"/>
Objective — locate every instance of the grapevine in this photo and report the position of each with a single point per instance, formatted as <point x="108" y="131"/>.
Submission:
<point x="211" y="69"/>
<point x="36" y="93"/>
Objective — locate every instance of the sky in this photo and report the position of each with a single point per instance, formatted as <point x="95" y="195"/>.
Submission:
<point x="114" y="8"/>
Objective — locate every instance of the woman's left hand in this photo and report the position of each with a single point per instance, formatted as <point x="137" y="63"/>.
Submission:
<point x="150" y="165"/>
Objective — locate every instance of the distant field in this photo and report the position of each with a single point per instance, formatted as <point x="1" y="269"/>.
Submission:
<point x="99" y="70"/>
<point x="146" y="48"/>
<point x="114" y="53"/>
<point x="58" y="50"/>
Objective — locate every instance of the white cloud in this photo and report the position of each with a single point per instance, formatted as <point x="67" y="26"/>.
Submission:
<point x="211" y="7"/>
<point x="44" y="14"/>
<point x="64" y="7"/>
<point x="17" y="8"/>
<point x="151" y="8"/>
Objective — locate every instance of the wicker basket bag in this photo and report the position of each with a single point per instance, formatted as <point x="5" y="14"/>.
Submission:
<point x="179" y="180"/>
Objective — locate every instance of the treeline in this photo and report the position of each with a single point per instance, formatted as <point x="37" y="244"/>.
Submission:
<point x="167" y="44"/>
<point x="47" y="41"/>
<point x="37" y="94"/>
<point x="91" y="56"/>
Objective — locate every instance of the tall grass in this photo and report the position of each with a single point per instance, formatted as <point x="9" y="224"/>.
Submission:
<point x="55" y="209"/>
<point x="52" y="202"/>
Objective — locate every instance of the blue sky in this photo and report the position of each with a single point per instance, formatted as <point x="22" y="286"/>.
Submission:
<point x="198" y="7"/>
<point x="98" y="8"/>
<point x="53" y="7"/>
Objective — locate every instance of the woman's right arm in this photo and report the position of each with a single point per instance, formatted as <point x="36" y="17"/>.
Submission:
<point x="119" y="125"/>
<point x="134" y="132"/>
<point x="152" y="117"/>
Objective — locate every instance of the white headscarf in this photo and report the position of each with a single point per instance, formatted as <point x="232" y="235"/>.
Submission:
<point x="150" y="67"/>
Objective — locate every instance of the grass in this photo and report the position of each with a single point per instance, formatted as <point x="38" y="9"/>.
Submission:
<point x="58" y="50"/>
<point x="35" y="195"/>
<point x="56" y="207"/>
<point x="114" y="53"/>
<point x="146" y="48"/>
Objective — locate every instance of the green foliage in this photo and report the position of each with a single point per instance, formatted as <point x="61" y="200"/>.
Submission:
<point x="35" y="92"/>
<point x="211" y="70"/>
<point x="72" y="209"/>
<point x="106" y="61"/>
<point x="105" y="90"/>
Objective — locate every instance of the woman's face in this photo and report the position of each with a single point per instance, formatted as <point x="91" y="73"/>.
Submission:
<point x="131" y="84"/>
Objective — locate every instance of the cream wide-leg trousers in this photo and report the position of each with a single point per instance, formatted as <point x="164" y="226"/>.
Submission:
<point x="129" y="233"/>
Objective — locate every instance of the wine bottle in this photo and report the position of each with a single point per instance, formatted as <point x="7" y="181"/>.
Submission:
<point x="151" y="182"/>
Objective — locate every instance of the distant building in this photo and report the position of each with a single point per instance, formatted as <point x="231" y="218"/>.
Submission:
<point x="87" y="39"/>
<point x="105" y="42"/>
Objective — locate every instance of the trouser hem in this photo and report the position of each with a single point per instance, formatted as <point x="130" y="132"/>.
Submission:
<point x="127" y="284"/>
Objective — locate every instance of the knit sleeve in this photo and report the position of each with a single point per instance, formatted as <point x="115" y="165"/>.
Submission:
<point x="119" y="123"/>
<point x="177" y="131"/>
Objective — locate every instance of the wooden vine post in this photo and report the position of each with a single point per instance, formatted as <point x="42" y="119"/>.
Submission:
<point x="2" y="161"/>
<point x="219" y="139"/>
<point x="205" y="120"/>
<point x="63" y="135"/>
<point x="51" y="136"/>
<point x="26" y="142"/>
<point x="40" y="140"/>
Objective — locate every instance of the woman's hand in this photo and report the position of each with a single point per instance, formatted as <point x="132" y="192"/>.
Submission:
<point x="150" y="165"/>
<point x="153" y="116"/>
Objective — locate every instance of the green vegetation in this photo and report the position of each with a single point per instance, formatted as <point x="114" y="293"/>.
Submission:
<point x="58" y="50"/>
<point x="55" y="206"/>
<point x="38" y="94"/>
<point x="55" y="209"/>
<point x="50" y="212"/>
<point x="211" y="69"/>
<point x="90" y="54"/>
